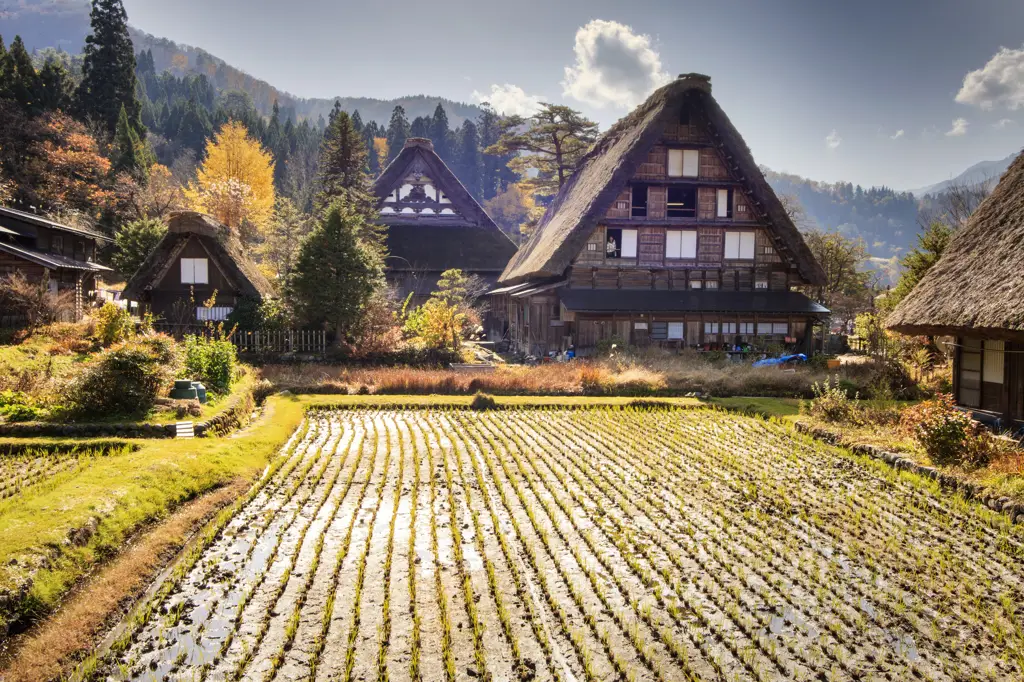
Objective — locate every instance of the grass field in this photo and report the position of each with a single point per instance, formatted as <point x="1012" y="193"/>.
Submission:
<point x="581" y="544"/>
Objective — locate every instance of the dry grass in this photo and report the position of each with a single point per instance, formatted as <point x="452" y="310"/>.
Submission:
<point x="52" y="649"/>
<point x="650" y="374"/>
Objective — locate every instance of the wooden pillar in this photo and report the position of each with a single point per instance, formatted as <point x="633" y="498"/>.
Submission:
<point x="78" y="296"/>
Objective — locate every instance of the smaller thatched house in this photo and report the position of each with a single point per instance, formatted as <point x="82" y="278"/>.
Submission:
<point x="975" y="293"/>
<point x="197" y="258"/>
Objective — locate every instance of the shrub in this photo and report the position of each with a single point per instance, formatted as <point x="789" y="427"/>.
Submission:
<point x="22" y="413"/>
<point x="211" y="361"/>
<point x="113" y="325"/>
<point x="126" y="379"/>
<point x="482" y="402"/>
<point x="943" y="431"/>
<point x="251" y="314"/>
<point x="832" y="403"/>
<point x="134" y="242"/>
<point x="34" y="301"/>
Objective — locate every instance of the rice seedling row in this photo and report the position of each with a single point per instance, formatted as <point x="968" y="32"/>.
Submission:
<point x="401" y="545"/>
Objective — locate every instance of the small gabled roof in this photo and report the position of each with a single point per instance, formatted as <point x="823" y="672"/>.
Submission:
<point x="608" y="167"/>
<point x="13" y="215"/>
<point x="219" y="241"/>
<point x="978" y="283"/>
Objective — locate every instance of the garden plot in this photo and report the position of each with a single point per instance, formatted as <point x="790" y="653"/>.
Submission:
<point x="587" y="544"/>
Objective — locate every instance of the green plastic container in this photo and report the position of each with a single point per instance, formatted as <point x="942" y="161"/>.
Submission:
<point x="200" y="391"/>
<point x="185" y="390"/>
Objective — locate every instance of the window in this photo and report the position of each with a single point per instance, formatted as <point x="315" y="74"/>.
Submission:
<point x="761" y="284"/>
<point x="992" y="364"/>
<point x="724" y="203"/>
<point x="742" y="208"/>
<point x="217" y="313"/>
<point x="711" y="284"/>
<point x="639" y="209"/>
<point x="710" y="327"/>
<point x="746" y="328"/>
<point x="728" y="327"/>
<point x="739" y="245"/>
<point x="696" y="284"/>
<point x="675" y="163"/>
<point x="591" y="246"/>
<point x="769" y="250"/>
<point x="621" y="244"/>
<point x="691" y="163"/>
<point x="682" y="202"/>
<point x="780" y="328"/>
<point x="970" y="372"/>
<point x="680" y="244"/>
<point x="194" y="271"/>
<point x="764" y="328"/>
<point x="675" y="330"/>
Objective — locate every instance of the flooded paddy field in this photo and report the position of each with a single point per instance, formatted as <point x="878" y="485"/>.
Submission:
<point x="582" y="544"/>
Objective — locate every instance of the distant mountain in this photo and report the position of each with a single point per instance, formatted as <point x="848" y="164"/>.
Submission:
<point x="64" y="24"/>
<point x="979" y="173"/>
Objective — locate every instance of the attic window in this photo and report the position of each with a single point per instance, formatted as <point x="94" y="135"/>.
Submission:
<point x="195" y="271"/>
<point x="724" y="199"/>
<point x="682" y="202"/>
<point x="639" y="209"/>
<point x="621" y="244"/>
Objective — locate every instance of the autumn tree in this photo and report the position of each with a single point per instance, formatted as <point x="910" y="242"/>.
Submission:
<point x="847" y="289"/>
<point x="67" y="171"/>
<point x="235" y="183"/>
<point x="108" y="70"/>
<point x="547" y="146"/>
<point x="155" y="198"/>
<point x="335" y="273"/>
<point x="342" y="167"/>
<point x="511" y="210"/>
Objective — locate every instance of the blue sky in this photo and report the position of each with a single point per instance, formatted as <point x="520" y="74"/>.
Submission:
<point x="821" y="89"/>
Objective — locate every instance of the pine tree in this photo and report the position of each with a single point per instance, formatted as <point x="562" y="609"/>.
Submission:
<point x="420" y="127"/>
<point x="468" y="159"/>
<point x="398" y="132"/>
<point x="342" y="166"/>
<point x="335" y="273"/>
<point x="495" y="174"/>
<point x="5" y="71"/>
<point x="108" y="70"/>
<point x="441" y="135"/>
<point x="127" y="154"/>
<point x="357" y="121"/>
<point x="23" y="79"/>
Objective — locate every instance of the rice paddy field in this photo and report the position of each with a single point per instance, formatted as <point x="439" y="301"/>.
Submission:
<point x="581" y="544"/>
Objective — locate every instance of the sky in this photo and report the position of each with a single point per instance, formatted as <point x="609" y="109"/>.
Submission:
<point x="896" y="93"/>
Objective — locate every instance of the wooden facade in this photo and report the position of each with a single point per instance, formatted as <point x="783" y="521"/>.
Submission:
<point x="988" y="377"/>
<point x="64" y="256"/>
<point x="682" y="252"/>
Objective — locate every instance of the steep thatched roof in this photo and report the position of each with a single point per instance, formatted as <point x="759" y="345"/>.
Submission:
<point x="604" y="172"/>
<point x="978" y="284"/>
<point x="222" y="245"/>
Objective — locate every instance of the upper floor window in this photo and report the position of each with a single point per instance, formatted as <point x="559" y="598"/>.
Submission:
<point x="724" y="203"/>
<point x="739" y="245"/>
<point x="681" y="244"/>
<point x="683" y="163"/>
<point x="195" y="271"/>
<point x="621" y="244"/>
<point x="639" y="208"/>
<point x="682" y="202"/>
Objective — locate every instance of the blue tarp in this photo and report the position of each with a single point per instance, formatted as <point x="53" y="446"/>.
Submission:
<point x="771" y="362"/>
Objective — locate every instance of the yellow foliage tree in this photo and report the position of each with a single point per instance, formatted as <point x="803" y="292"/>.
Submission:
<point x="380" y="148"/>
<point x="235" y="184"/>
<point x="513" y="210"/>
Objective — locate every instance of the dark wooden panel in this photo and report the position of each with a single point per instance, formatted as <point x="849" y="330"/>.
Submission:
<point x="650" y="248"/>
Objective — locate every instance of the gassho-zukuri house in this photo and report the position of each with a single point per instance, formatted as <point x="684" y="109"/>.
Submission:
<point x="667" y="234"/>
<point x="975" y="294"/>
<point x="434" y="224"/>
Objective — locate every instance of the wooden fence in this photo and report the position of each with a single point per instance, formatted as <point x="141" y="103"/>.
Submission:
<point x="282" y="341"/>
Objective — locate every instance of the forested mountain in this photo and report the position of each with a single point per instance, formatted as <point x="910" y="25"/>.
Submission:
<point x="64" y="24"/>
<point x="980" y="173"/>
<point x="884" y="218"/>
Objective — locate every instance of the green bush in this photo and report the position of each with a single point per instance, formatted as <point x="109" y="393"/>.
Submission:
<point x="113" y="325"/>
<point x="125" y="379"/>
<point x="945" y="433"/>
<point x="251" y="314"/>
<point x="210" y="360"/>
<point x="482" y="402"/>
<point x="22" y="413"/>
<point x="832" y="403"/>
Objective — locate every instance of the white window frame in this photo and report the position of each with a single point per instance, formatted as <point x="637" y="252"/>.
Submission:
<point x="195" y="271"/>
<point x="711" y="284"/>
<point x="217" y="313"/>
<point x="728" y="327"/>
<point x="722" y="196"/>
<point x="628" y="248"/>
<point x="747" y="328"/>
<point x="675" y="163"/>
<point x="764" y="328"/>
<point x="993" y="362"/>
<point x="691" y="163"/>
<point x="676" y="331"/>
<point x="739" y="245"/>
<point x="711" y="327"/>
<point x="780" y="328"/>
<point x="681" y="244"/>
<point x="761" y="284"/>
<point x="696" y="284"/>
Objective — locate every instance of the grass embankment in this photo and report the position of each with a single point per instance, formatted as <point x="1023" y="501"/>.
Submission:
<point x="59" y="533"/>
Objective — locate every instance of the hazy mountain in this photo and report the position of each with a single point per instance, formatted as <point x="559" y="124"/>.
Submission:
<point x="64" y="24"/>
<point x="977" y="174"/>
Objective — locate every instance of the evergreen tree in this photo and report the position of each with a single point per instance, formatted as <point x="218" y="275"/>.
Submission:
<point x="420" y="127"/>
<point x="5" y="71"/>
<point x="108" y="70"/>
<point x="23" y="79"/>
<point x="919" y="260"/>
<point x="341" y="171"/>
<point x="468" y="159"/>
<point x="441" y="135"/>
<point x="398" y="132"/>
<point x="357" y="121"/>
<point x="335" y="273"/>
<point x="495" y="174"/>
<point x="126" y="155"/>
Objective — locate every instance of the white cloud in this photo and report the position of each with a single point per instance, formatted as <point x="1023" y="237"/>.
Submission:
<point x="1000" y="83"/>
<point x="898" y="135"/>
<point x="959" y="128"/>
<point x="1002" y="123"/>
<point x="832" y="140"/>
<point x="614" y="66"/>
<point x="509" y="99"/>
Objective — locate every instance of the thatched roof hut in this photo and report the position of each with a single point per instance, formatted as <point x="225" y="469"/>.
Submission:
<point x="977" y="287"/>
<point x="606" y="170"/>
